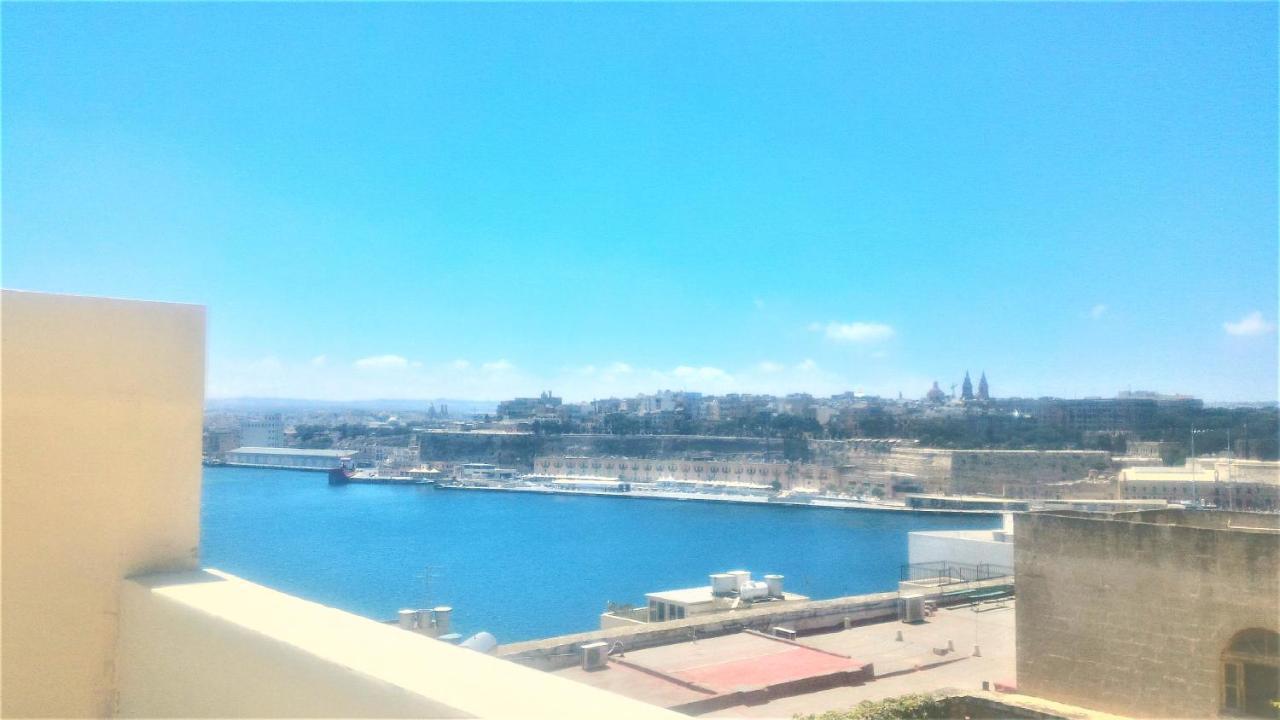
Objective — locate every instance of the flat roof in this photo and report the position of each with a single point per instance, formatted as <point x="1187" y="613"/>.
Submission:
<point x="695" y="595"/>
<point x="295" y="451"/>
<point x="687" y="596"/>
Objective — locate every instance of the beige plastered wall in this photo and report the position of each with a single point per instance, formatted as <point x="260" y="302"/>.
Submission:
<point x="99" y="479"/>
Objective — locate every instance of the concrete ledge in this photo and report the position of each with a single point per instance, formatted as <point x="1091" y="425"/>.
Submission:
<point x="208" y="644"/>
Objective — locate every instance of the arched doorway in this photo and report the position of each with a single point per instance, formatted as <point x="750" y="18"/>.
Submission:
<point x="1251" y="674"/>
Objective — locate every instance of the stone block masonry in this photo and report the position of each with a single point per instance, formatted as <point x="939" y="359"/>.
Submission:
<point x="1130" y="613"/>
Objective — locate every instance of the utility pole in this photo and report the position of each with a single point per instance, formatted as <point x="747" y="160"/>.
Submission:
<point x="1195" y="491"/>
<point x="1231" y="486"/>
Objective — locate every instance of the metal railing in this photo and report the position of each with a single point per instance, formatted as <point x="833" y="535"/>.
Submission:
<point x="945" y="572"/>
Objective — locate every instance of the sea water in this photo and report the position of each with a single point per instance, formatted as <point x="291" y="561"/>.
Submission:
<point x="525" y="566"/>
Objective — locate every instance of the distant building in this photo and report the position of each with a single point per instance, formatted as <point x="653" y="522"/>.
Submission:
<point x="1095" y="414"/>
<point x="288" y="458"/>
<point x="267" y="431"/>
<point x="1185" y="403"/>
<point x="984" y="391"/>
<point x="216" y="442"/>
<point x="786" y="475"/>
<point x="935" y="394"/>
<point x="1237" y="485"/>
<point x="482" y="473"/>
<point x="545" y="405"/>
<point x="1150" y="449"/>
<point x="966" y="389"/>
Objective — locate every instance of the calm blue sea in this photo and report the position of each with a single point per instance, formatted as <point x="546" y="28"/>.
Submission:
<point x="528" y="566"/>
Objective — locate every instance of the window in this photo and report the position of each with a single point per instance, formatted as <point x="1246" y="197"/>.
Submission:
<point x="1251" y="673"/>
<point x="1231" y="686"/>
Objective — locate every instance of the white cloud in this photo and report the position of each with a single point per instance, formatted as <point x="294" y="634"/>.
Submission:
<point x="770" y="367"/>
<point x="1251" y="324"/>
<point x="382" y="362"/>
<point x="808" y="365"/>
<point x="460" y="364"/>
<point x="1097" y="311"/>
<point x="497" y="366"/>
<point x="620" y="368"/>
<point x="854" y="332"/>
<point x="319" y="361"/>
<point x="687" y="372"/>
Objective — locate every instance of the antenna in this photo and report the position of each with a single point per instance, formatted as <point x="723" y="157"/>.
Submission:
<point x="429" y="573"/>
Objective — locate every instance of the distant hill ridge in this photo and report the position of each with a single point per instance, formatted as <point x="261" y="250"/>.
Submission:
<point x="456" y="406"/>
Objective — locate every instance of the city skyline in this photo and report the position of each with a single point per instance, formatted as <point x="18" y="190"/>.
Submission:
<point x="483" y="202"/>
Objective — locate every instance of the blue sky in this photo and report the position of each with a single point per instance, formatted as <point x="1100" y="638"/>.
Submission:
<point x="400" y="200"/>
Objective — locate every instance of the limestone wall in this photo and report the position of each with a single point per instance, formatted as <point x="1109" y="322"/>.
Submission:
<point x="1131" y="617"/>
<point x="518" y="450"/>
<point x="513" y="450"/>
<point x="999" y="472"/>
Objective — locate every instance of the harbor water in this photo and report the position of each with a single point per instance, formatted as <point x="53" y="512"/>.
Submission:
<point x="524" y="566"/>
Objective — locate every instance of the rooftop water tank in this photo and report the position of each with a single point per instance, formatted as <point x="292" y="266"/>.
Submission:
<point x="723" y="584"/>
<point x="775" y="585"/>
<point x="441" y="615"/>
<point x="742" y="576"/>
<point x="407" y="619"/>
<point x="752" y="590"/>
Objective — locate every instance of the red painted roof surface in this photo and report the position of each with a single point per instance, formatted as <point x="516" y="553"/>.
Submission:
<point x="771" y="669"/>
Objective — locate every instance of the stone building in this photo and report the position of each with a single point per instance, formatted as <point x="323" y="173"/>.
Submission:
<point x="786" y="475"/>
<point x="1161" y="613"/>
<point x="1226" y="484"/>
<point x="266" y="431"/>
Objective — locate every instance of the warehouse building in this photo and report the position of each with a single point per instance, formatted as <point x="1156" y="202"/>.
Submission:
<point x="289" y="458"/>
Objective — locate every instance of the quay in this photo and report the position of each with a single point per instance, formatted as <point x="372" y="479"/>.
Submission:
<point x="632" y="494"/>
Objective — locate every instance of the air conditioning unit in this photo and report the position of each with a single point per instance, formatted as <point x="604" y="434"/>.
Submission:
<point x="595" y="656"/>
<point x="911" y="608"/>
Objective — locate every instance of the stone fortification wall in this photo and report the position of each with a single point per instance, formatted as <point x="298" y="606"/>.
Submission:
<point x="1013" y="472"/>
<point x="885" y="463"/>
<point x="518" y="450"/>
<point x="860" y="463"/>
<point x="1132" y="617"/>
<point x="514" y="450"/>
